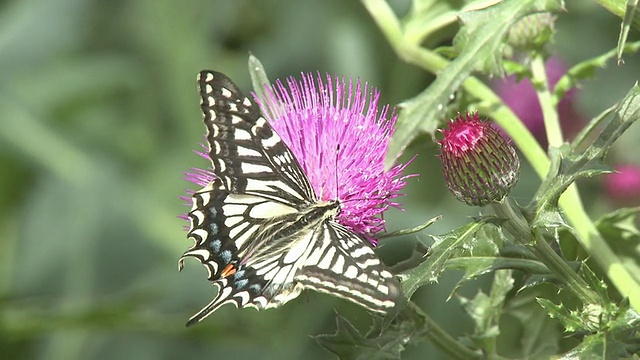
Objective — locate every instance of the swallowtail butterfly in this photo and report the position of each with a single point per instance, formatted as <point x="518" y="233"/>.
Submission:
<point x="259" y="228"/>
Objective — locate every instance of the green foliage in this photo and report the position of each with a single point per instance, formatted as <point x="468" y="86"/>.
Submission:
<point x="456" y="243"/>
<point x="620" y="229"/>
<point x="99" y="117"/>
<point x="486" y="309"/>
<point x="569" y="164"/>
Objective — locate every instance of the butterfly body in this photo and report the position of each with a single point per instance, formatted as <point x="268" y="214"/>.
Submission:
<point x="259" y="228"/>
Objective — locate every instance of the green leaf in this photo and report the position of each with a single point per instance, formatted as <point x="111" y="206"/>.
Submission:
<point x="569" y="319"/>
<point x="349" y="344"/>
<point x="586" y="69"/>
<point x="485" y="310"/>
<point x="612" y="329"/>
<point x="540" y="334"/>
<point x="260" y="80"/>
<point x="476" y="257"/>
<point x="446" y="246"/>
<point x="595" y="283"/>
<point x="624" y="27"/>
<point x="411" y="230"/>
<point x="617" y="338"/>
<point x="568" y="165"/>
<point x="480" y="44"/>
<point x="537" y="278"/>
<point x="598" y="346"/>
<point x="420" y="251"/>
<point x="619" y="228"/>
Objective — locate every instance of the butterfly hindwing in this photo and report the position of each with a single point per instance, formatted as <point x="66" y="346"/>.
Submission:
<point x="224" y="228"/>
<point x="247" y="155"/>
<point x="344" y="264"/>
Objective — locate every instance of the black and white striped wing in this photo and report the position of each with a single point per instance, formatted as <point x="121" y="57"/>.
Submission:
<point x="224" y="227"/>
<point x="247" y="155"/>
<point x="343" y="264"/>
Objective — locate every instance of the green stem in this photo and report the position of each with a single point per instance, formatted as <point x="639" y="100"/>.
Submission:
<point x="440" y="338"/>
<point x="549" y="111"/>
<point x="519" y="228"/>
<point x="584" y="229"/>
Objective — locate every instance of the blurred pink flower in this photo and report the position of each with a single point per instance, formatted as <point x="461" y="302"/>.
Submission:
<point x="623" y="187"/>
<point x="521" y="98"/>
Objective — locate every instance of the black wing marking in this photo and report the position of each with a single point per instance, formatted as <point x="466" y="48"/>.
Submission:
<point x="247" y="155"/>
<point x="224" y="228"/>
<point x="344" y="264"/>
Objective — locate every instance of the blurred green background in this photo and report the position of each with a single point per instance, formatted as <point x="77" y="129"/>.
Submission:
<point x="99" y="118"/>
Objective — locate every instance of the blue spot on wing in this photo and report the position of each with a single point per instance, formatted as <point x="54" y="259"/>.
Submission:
<point x="216" y="245"/>
<point x="256" y="288"/>
<point x="226" y="256"/>
<point x="238" y="274"/>
<point x="213" y="229"/>
<point x="241" y="283"/>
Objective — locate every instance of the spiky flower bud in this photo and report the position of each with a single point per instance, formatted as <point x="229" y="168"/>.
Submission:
<point x="479" y="165"/>
<point x="532" y="31"/>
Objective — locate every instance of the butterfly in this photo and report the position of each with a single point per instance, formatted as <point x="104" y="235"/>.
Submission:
<point x="259" y="228"/>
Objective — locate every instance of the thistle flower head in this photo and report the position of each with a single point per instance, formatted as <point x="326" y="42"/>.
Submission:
<point x="479" y="165"/>
<point x="340" y="139"/>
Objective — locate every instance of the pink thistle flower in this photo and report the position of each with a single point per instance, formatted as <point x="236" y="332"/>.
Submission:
<point x="623" y="186"/>
<point x="521" y="98"/>
<point x="479" y="165"/>
<point x="340" y="139"/>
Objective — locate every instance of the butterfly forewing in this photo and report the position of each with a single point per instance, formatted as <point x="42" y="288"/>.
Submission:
<point x="247" y="155"/>
<point x="259" y="229"/>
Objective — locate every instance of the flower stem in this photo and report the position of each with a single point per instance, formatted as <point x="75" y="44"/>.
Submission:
<point x="440" y="338"/>
<point x="549" y="112"/>
<point x="519" y="228"/>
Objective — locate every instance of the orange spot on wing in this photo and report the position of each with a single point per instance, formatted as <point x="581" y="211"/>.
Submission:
<point x="228" y="270"/>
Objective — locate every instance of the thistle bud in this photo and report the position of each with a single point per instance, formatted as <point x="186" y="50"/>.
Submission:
<point x="532" y="31"/>
<point x="479" y="165"/>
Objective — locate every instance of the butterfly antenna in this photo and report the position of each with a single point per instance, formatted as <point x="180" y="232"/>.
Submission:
<point x="336" y="170"/>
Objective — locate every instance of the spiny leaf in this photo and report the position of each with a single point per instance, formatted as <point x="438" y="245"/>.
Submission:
<point x="568" y="165"/>
<point x="595" y="283"/>
<point x="620" y="340"/>
<point x="445" y="247"/>
<point x="349" y="344"/>
<point x="570" y="320"/>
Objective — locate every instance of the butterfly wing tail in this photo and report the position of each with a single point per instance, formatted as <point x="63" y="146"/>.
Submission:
<point x="228" y="293"/>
